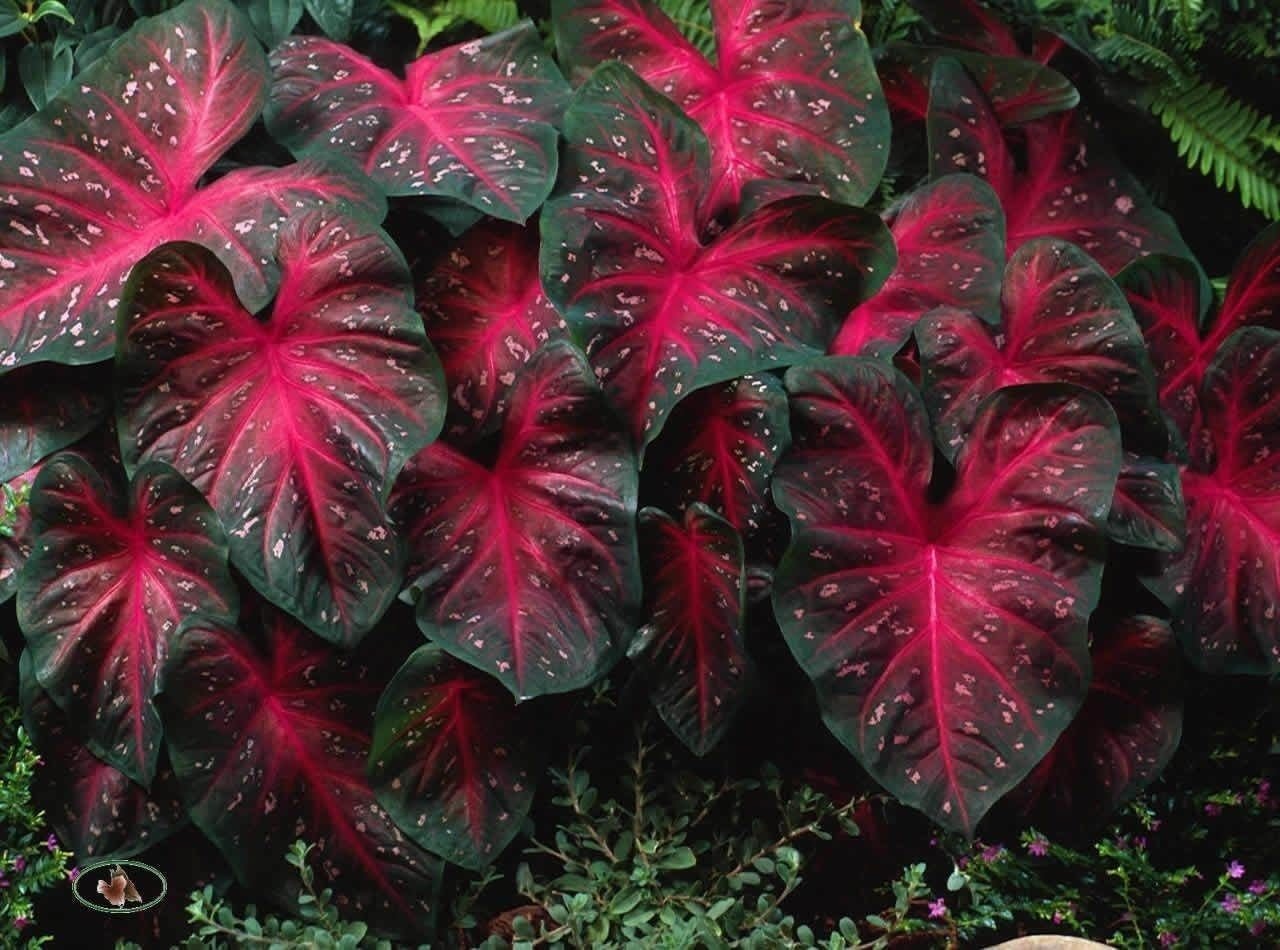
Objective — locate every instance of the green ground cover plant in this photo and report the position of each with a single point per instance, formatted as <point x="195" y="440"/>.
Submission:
<point x="384" y="388"/>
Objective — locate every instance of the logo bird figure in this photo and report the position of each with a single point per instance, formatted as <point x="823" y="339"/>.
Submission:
<point x="119" y="889"/>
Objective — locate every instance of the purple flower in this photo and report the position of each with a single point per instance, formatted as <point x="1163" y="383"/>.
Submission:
<point x="1230" y="903"/>
<point x="51" y="843"/>
<point x="992" y="852"/>
<point x="938" y="908"/>
<point x="20" y="922"/>
<point x="19" y="864"/>
<point x="1213" y="809"/>
<point x="1140" y="842"/>
<point x="4" y="881"/>
<point x="1258" y="887"/>
<point x="1038" y="846"/>
<point x="1167" y="938"/>
<point x="1235" y="870"/>
<point x="73" y="874"/>
<point x="1057" y="917"/>
<point x="1263" y="792"/>
<point x="1257" y="928"/>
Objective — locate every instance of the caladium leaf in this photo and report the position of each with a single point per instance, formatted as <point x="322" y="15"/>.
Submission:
<point x="792" y="94"/>
<point x="691" y="651"/>
<point x="106" y="591"/>
<point x="1125" y="734"/>
<point x="972" y="25"/>
<point x="1065" y="321"/>
<point x="1164" y="294"/>
<point x="486" y="314"/>
<point x="44" y="408"/>
<point x="947" y="641"/>
<point x="270" y="747"/>
<point x="969" y="24"/>
<point x="294" y="424"/>
<point x="950" y="240"/>
<point x="1072" y="188"/>
<point x="1019" y="90"/>
<point x="1169" y="301"/>
<point x="475" y="122"/>
<point x="720" y="448"/>
<point x="452" y="761"/>
<point x="527" y="567"/>
<point x="1148" y="510"/>
<point x="109" y="171"/>
<point x="96" y="809"/>
<point x="1226" y="580"/>
<point x="663" y="308"/>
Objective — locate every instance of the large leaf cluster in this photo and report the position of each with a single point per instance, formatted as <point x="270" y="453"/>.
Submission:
<point x="656" y="362"/>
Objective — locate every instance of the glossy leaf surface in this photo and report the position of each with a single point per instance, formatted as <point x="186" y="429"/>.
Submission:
<point x="947" y="641"/>
<point x="949" y="236"/>
<point x="44" y="408"/>
<point x="486" y="314"/>
<point x="1226" y="581"/>
<point x="475" y="122"/>
<point x="1125" y="734"/>
<point x="111" y="169"/>
<point x="293" y="424"/>
<point x="1148" y="510"/>
<point x="1065" y="321"/>
<point x="106" y="591"/>
<point x="270" y="747"/>
<point x="661" y="310"/>
<point x="452" y="760"/>
<point x="1019" y="90"/>
<point x="791" y="95"/>
<point x="526" y="566"/>
<point x="95" y="808"/>
<point x="1183" y="334"/>
<point x="720" y="448"/>
<point x="691" y="650"/>
<point x="1071" y="189"/>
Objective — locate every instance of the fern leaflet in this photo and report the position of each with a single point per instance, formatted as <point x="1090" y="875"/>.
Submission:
<point x="1225" y="139"/>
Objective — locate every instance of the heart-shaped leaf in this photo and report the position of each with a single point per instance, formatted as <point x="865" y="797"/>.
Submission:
<point x="950" y="240"/>
<point x="486" y="314"/>
<point x="1065" y="321"/>
<point x="44" y="408"/>
<point x="1148" y="510"/>
<point x="106" y="592"/>
<point x="1170" y="304"/>
<point x="526" y="567"/>
<point x="1226" y="581"/>
<point x="1124" y="736"/>
<point x="294" y="424"/>
<point x="110" y="169"/>
<point x="661" y="310"/>
<point x="96" y="809"/>
<point x="947" y="641"/>
<point x="691" y="650"/>
<point x="475" y="122"/>
<point x="270" y="747"/>
<point x="792" y="94"/>
<point x="452" y="761"/>
<point x="720" y="448"/>
<point x="1071" y="189"/>
<point x="1019" y="90"/>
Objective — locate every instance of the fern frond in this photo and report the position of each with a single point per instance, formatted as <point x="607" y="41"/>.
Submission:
<point x="1223" y="138"/>
<point x="1149" y="45"/>
<point x="431" y="19"/>
<point x="693" y="18"/>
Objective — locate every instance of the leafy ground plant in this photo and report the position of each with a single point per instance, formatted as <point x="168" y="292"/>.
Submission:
<point x="697" y="348"/>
